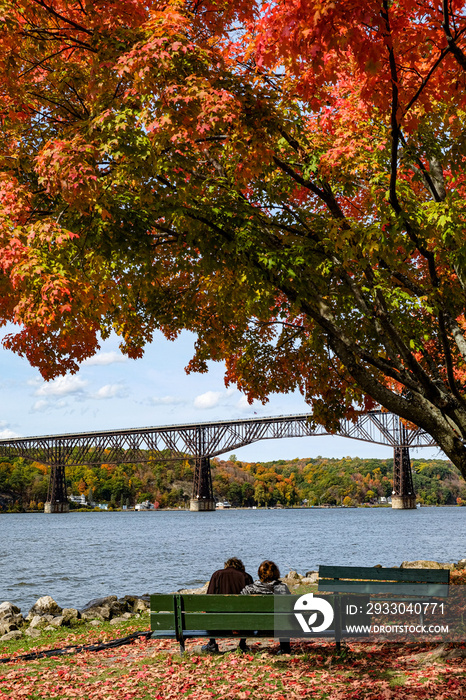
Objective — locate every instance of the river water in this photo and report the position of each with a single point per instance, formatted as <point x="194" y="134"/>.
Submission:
<point x="79" y="556"/>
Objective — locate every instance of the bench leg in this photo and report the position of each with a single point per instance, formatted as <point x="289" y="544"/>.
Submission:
<point x="182" y="648"/>
<point x="337" y="613"/>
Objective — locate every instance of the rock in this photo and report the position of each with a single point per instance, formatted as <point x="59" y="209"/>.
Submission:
<point x="103" y="608"/>
<point x="99" y="602"/>
<point x="50" y="628"/>
<point x="32" y="632"/>
<point x="309" y="574"/>
<point x="7" y="626"/>
<point x="425" y="564"/>
<point x="199" y="591"/>
<point x="14" y="634"/>
<point x="8" y="609"/>
<point x="10" y="618"/>
<point x="293" y="576"/>
<point x="135" y="603"/>
<point x="40" y="621"/>
<point x="312" y="578"/>
<point x="92" y="614"/>
<point x="44" y="606"/>
<point x="119" y="620"/>
<point x="56" y="622"/>
<point x="70" y="615"/>
<point x="460" y="565"/>
<point x="95" y="623"/>
<point x="141" y="606"/>
<point x="13" y="622"/>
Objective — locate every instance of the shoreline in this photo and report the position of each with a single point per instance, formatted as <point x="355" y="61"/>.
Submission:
<point x="232" y="508"/>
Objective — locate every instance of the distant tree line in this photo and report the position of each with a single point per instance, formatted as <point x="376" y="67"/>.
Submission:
<point x="317" y="481"/>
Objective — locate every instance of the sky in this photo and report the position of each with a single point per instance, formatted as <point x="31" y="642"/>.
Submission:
<point x="111" y="391"/>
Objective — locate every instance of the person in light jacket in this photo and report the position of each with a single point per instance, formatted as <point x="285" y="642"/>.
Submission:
<point x="269" y="584"/>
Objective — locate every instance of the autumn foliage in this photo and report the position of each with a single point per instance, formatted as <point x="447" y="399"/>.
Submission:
<point x="365" y="671"/>
<point x="285" y="179"/>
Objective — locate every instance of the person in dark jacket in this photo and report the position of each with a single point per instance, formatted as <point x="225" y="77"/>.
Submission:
<point x="231" y="579"/>
<point x="269" y="584"/>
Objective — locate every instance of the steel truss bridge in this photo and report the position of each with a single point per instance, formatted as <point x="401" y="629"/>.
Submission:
<point x="200" y="442"/>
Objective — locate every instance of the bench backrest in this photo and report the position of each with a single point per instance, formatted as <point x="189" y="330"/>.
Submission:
<point x="365" y="579"/>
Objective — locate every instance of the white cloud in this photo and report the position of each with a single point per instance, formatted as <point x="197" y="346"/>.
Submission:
<point x="7" y="433"/>
<point x="110" y="391"/>
<point x="246" y="407"/>
<point x="165" y="400"/>
<point x="243" y="404"/>
<point x="208" y="400"/>
<point x="62" y="386"/>
<point x="40" y="405"/>
<point x="105" y="358"/>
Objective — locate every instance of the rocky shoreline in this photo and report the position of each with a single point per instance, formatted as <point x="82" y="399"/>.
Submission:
<point x="47" y="615"/>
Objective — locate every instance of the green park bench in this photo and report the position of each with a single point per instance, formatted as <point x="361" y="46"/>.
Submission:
<point x="184" y="616"/>
<point x="190" y="616"/>
<point x="391" y="585"/>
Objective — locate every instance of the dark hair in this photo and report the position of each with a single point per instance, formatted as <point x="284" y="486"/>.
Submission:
<point x="268" y="571"/>
<point x="235" y="564"/>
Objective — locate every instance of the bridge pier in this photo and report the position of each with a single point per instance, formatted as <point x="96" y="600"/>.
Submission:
<point x="203" y="496"/>
<point x="61" y="507"/>
<point x="57" y="501"/>
<point x="201" y="504"/>
<point x="403" y="494"/>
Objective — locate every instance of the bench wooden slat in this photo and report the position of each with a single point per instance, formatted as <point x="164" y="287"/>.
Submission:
<point x="249" y="634"/>
<point x="389" y="574"/>
<point x="231" y="620"/>
<point x="238" y="603"/>
<point x="162" y="602"/>
<point x="227" y="603"/>
<point x="162" y="621"/>
<point x="433" y="590"/>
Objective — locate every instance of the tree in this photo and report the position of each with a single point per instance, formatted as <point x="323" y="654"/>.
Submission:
<point x="286" y="180"/>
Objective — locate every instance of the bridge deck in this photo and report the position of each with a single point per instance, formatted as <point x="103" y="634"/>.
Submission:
<point x="203" y="439"/>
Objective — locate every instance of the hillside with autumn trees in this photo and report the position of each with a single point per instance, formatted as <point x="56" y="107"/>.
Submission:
<point x="316" y="481"/>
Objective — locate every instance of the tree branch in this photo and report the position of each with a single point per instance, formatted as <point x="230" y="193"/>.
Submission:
<point x="395" y="129"/>
<point x="451" y="41"/>
<point x="56" y="14"/>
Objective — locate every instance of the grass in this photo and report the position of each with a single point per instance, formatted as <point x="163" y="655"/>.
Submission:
<point x="79" y="634"/>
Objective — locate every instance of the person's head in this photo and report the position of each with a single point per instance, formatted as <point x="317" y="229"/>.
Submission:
<point x="234" y="563"/>
<point x="268" y="571"/>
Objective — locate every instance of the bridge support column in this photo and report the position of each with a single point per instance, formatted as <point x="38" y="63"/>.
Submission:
<point x="57" y="502"/>
<point x="203" y="497"/>
<point x="403" y="495"/>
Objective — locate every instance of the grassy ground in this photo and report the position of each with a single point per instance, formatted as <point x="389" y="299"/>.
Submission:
<point x="154" y="670"/>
